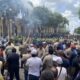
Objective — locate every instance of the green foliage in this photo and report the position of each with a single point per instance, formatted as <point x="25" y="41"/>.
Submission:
<point x="40" y="17"/>
<point x="18" y="39"/>
<point x="10" y="8"/>
<point x="77" y="30"/>
<point x="49" y="19"/>
<point x="57" y="20"/>
<point x="42" y="14"/>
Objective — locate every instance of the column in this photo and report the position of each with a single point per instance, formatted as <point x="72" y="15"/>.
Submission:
<point x="10" y="28"/>
<point x="1" y="26"/>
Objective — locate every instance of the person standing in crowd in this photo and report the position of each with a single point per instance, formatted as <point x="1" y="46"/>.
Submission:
<point x="48" y="63"/>
<point x="40" y="51"/>
<point x="62" y="71"/>
<point x="1" y="77"/>
<point x="47" y="75"/>
<point x="65" y="63"/>
<point x="34" y="64"/>
<point x="8" y="49"/>
<point x="76" y="65"/>
<point x="13" y="64"/>
<point x="73" y="54"/>
<point x="54" y="62"/>
<point x="45" y="49"/>
<point x="47" y="60"/>
<point x="24" y="59"/>
<point x="2" y="58"/>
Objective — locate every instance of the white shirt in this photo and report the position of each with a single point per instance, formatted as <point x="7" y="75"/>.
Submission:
<point x="34" y="64"/>
<point x="63" y="73"/>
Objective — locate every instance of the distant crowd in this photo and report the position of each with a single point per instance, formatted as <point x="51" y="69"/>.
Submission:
<point x="57" y="60"/>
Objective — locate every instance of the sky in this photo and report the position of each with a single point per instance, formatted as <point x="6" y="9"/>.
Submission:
<point x="68" y="8"/>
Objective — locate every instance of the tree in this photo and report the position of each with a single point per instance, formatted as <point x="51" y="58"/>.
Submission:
<point x="77" y="30"/>
<point x="39" y="18"/>
<point x="57" y="21"/>
<point x="41" y="13"/>
<point x="9" y="10"/>
<point x="44" y="19"/>
<point x="11" y="7"/>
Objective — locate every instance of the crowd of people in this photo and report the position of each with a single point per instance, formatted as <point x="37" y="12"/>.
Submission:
<point x="58" y="60"/>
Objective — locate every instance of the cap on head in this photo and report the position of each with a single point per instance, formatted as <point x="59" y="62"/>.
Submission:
<point x="34" y="52"/>
<point x="58" y="60"/>
<point x="31" y="45"/>
<point x="44" y="42"/>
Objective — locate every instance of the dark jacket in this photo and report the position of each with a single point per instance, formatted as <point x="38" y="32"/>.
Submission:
<point x="13" y="60"/>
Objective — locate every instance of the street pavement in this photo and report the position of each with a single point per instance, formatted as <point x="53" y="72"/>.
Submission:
<point x="21" y="74"/>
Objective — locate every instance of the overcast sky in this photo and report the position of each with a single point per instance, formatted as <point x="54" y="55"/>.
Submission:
<point x="68" y="8"/>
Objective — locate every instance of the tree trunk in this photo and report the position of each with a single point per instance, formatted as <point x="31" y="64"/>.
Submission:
<point x="55" y="30"/>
